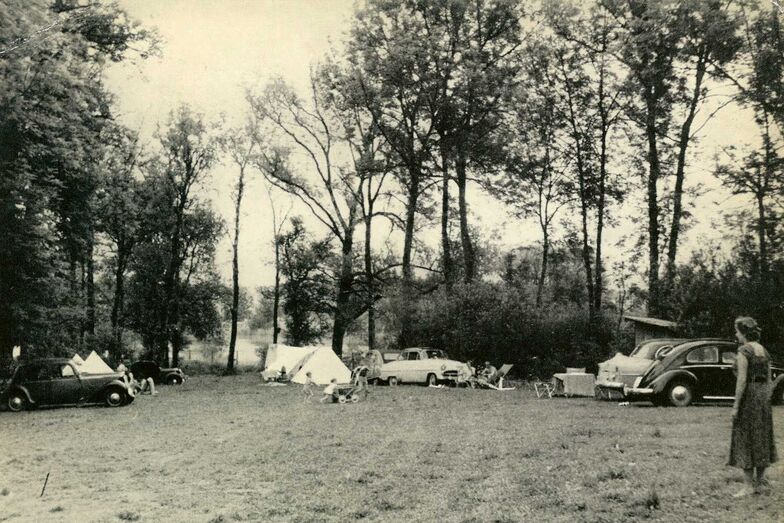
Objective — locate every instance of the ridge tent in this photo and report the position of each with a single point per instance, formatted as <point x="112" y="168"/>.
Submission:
<point x="93" y="364"/>
<point x="78" y="363"/>
<point x="323" y="364"/>
<point x="284" y="356"/>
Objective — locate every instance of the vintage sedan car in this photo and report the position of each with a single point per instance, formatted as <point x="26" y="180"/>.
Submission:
<point x="422" y="365"/>
<point x="694" y="371"/>
<point x="149" y="369"/>
<point x="56" y="382"/>
<point x="620" y="370"/>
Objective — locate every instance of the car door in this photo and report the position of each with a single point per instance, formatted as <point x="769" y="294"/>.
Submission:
<point x="66" y="386"/>
<point x="408" y="366"/>
<point x="35" y="378"/>
<point x="726" y="384"/>
<point x="703" y="362"/>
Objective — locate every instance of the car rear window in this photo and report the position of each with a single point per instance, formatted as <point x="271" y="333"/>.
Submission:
<point x="706" y="354"/>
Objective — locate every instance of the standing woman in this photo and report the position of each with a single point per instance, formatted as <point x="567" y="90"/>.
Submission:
<point x="752" y="447"/>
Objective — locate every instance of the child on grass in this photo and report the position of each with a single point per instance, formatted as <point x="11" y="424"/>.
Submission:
<point x="307" y="388"/>
<point x="329" y="390"/>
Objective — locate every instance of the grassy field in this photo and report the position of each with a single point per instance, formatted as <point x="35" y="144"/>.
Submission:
<point x="232" y="449"/>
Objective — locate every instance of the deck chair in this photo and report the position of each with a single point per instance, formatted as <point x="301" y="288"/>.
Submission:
<point x="496" y="382"/>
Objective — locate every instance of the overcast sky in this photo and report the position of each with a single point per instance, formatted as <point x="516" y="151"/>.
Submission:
<point x="212" y="50"/>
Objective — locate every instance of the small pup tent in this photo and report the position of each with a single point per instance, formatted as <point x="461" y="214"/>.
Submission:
<point x="323" y="365"/>
<point x="93" y="364"/>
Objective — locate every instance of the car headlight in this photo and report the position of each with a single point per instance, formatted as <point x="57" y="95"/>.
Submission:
<point x="443" y="367"/>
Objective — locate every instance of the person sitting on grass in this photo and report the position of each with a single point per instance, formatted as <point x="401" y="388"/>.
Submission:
<point x="330" y="391"/>
<point x="138" y="387"/>
<point x="488" y="373"/>
<point x="283" y="375"/>
<point x="307" y="388"/>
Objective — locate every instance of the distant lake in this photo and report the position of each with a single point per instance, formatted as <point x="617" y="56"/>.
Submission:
<point x="216" y="352"/>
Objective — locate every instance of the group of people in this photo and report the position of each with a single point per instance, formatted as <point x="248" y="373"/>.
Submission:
<point x="359" y="386"/>
<point x="486" y="375"/>
<point x="138" y="386"/>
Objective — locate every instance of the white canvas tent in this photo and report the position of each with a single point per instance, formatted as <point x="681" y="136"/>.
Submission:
<point x="77" y="361"/>
<point x="323" y="365"/>
<point x="279" y="356"/>
<point x="321" y="362"/>
<point x="93" y="364"/>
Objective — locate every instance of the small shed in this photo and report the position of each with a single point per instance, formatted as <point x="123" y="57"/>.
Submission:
<point x="647" y="328"/>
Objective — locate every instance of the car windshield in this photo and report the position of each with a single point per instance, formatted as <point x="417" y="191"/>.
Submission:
<point x="436" y="354"/>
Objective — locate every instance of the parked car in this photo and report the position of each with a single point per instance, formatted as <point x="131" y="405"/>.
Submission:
<point x="422" y="365"/>
<point x="149" y="369"/>
<point x="57" y="382"/>
<point x="695" y="371"/>
<point x="620" y="370"/>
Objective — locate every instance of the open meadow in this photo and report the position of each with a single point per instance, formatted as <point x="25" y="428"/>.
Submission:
<point x="222" y="449"/>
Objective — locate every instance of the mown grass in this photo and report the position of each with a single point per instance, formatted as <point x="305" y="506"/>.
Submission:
<point x="231" y="449"/>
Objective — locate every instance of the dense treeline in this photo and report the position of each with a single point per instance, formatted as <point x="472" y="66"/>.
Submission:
<point x="576" y="117"/>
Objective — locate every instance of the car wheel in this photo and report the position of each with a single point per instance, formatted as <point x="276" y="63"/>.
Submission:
<point x="16" y="402"/>
<point x="393" y="381"/>
<point x="114" y="398"/>
<point x="680" y="394"/>
<point x="432" y="380"/>
<point x="173" y="380"/>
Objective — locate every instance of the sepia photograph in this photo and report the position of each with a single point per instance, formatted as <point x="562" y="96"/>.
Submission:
<point x="391" y="260"/>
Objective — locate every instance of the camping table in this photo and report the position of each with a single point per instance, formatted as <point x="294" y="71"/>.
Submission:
<point x="574" y="384"/>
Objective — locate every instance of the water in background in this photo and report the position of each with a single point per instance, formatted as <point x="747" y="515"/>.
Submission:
<point x="217" y="352"/>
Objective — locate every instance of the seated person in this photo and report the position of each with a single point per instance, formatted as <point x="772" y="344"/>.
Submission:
<point x="134" y="385"/>
<point x="330" y="391"/>
<point x="488" y="373"/>
<point x="283" y="376"/>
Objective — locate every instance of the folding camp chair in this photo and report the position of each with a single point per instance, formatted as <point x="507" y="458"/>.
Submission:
<point x="496" y="382"/>
<point x="544" y="388"/>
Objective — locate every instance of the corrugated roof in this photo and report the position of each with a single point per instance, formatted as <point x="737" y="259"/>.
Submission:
<point x="652" y="321"/>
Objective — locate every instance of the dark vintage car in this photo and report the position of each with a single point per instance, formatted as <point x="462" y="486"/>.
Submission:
<point x="56" y="382"/>
<point x="694" y="371"/>
<point x="149" y="369"/>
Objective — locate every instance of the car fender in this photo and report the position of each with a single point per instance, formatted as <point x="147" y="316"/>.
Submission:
<point x="98" y="395"/>
<point x="659" y="384"/>
<point x="23" y="390"/>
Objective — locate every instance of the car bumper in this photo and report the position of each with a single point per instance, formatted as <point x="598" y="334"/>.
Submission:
<point x="637" y="392"/>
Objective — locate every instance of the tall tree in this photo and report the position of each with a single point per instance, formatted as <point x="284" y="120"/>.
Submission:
<point x="188" y="152"/>
<point x="239" y="144"/>
<point x="331" y="188"/>
<point x="53" y="111"/>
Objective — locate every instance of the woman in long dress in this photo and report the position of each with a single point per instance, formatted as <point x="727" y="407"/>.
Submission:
<point x="753" y="447"/>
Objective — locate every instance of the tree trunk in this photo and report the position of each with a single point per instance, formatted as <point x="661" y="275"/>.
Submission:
<point x="543" y="271"/>
<point x="763" y="244"/>
<point x="683" y="143"/>
<point x="170" y="314"/>
<point x="119" y="295"/>
<point x="598" y="283"/>
<point x="276" y="295"/>
<point x="90" y="283"/>
<point x="343" y="316"/>
<point x="654" y="298"/>
<point x="371" y="308"/>
<point x="408" y="274"/>
<point x="446" y="254"/>
<point x="469" y="260"/>
<point x="235" y="271"/>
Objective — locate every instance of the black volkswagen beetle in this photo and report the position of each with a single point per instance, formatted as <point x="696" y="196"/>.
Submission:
<point x="695" y="371"/>
<point x="54" y="382"/>
<point x="149" y="369"/>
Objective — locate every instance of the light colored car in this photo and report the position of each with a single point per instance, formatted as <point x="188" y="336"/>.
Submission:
<point x="422" y="365"/>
